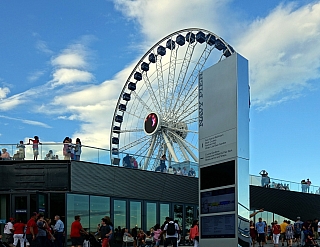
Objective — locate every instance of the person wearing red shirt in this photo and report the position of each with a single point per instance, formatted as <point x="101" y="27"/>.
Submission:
<point x="32" y="230"/>
<point x="276" y="230"/>
<point x="18" y="229"/>
<point x="194" y="233"/>
<point x="76" y="231"/>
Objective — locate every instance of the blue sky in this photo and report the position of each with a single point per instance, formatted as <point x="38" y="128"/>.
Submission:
<point x="63" y="65"/>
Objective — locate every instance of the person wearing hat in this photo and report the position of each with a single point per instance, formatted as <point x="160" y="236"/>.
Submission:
<point x="32" y="230"/>
<point x="5" y="155"/>
<point x="8" y="231"/>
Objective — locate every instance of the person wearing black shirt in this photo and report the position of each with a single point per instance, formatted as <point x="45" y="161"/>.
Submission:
<point x="105" y="232"/>
<point x="163" y="167"/>
<point x="314" y="227"/>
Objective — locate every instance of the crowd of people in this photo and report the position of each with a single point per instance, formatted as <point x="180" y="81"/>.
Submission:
<point x="70" y="151"/>
<point x="172" y="170"/>
<point x="169" y="233"/>
<point x="289" y="233"/>
<point x="37" y="232"/>
<point x="130" y="162"/>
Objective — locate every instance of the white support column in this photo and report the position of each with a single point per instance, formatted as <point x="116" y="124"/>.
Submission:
<point x="169" y="146"/>
<point x="146" y="162"/>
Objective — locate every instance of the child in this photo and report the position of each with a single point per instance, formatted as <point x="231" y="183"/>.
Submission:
<point x="35" y="147"/>
<point x="21" y="151"/>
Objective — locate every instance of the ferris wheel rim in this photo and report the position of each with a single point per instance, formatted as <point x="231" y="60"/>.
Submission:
<point x="228" y="50"/>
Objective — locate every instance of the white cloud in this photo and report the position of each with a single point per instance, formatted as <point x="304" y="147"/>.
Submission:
<point x="69" y="60"/>
<point x="26" y="121"/>
<point x="42" y="46"/>
<point x="35" y="75"/>
<point x="3" y="92"/>
<point x="157" y="19"/>
<point x="283" y="51"/>
<point x="66" y="76"/>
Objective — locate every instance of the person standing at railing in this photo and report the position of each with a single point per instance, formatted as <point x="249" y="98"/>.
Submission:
<point x="66" y="148"/>
<point x="21" y="150"/>
<point x="163" y="167"/>
<point x="77" y="149"/>
<point x="265" y="180"/>
<point x="35" y="146"/>
<point x="308" y="185"/>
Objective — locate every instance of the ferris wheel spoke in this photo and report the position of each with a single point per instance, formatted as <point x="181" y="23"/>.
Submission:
<point x="141" y="101"/>
<point x="185" y="155"/>
<point x="183" y="71"/>
<point x="184" y="141"/>
<point x="187" y="146"/>
<point x="161" y="84"/>
<point x="171" y="76"/>
<point x="134" y="115"/>
<point x="183" y="94"/>
<point x="187" y="110"/>
<point x="131" y="130"/>
<point x="134" y="143"/>
<point x="152" y="94"/>
<point x="143" y="150"/>
<point x="191" y="120"/>
<point x="182" y="130"/>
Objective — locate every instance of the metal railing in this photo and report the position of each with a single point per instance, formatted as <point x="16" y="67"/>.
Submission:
<point x="102" y="156"/>
<point x="54" y="151"/>
<point x="284" y="185"/>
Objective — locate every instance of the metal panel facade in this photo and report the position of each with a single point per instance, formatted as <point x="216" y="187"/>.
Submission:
<point x="123" y="182"/>
<point x="30" y="175"/>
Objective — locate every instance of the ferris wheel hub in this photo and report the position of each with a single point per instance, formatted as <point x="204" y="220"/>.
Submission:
<point x="152" y="123"/>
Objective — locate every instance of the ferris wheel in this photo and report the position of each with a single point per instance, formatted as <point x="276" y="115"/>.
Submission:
<point x="157" y="111"/>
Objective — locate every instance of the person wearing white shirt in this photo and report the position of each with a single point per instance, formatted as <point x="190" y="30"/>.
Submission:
<point x="58" y="230"/>
<point x="171" y="238"/>
<point x="8" y="231"/>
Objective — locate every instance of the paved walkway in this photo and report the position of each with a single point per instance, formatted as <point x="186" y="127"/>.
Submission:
<point x="269" y="244"/>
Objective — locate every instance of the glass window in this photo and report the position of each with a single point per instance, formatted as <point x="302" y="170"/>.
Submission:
<point x="189" y="217"/>
<point x="164" y="212"/>
<point x="178" y="213"/>
<point x="99" y="207"/>
<point x="77" y="205"/>
<point x="151" y="212"/>
<point x="120" y="210"/>
<point x="135" y="214"/>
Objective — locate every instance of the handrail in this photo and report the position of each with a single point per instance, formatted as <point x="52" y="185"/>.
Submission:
<point x="101" y="156"/>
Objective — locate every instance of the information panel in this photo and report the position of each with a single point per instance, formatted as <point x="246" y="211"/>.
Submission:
<point x="218" y="175"/>
<point x="216" y="201"/>
<point x="218" y="226"/>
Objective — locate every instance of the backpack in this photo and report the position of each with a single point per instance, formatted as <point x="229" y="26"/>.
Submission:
<point x="171" y="228"/>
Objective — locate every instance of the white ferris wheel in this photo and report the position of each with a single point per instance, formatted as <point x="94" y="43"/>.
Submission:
<point x="157" y="110"/>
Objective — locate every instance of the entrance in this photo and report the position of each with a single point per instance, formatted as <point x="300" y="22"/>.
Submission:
<point x="22" y="205"/>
